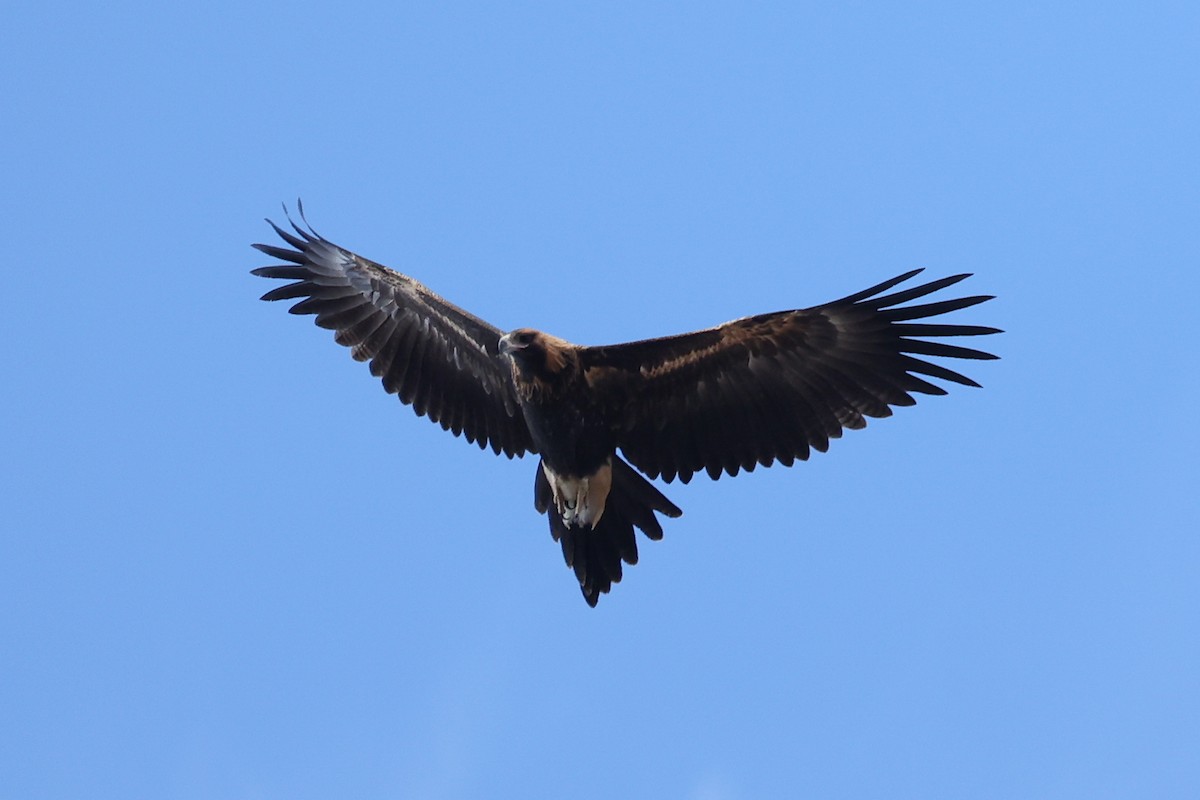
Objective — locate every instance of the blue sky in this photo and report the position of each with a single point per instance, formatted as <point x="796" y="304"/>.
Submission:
<point x="233" y="567"/>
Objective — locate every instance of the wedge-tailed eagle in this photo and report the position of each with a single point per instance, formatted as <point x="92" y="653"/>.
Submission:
<point x="761" y="389"/>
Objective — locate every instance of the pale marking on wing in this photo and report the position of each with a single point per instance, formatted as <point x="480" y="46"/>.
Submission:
<point x="731" y="332"/>
<point x="362" y="274"/>
<point x="363" y="271"/>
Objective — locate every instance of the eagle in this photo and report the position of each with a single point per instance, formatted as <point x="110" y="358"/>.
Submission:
<point x="605" y="421"/>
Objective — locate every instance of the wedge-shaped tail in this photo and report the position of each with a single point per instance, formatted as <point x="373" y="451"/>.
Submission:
<point x="597" y="554"/>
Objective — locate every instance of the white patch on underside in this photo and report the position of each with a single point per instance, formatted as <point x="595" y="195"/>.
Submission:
<point x="580" y="501"/>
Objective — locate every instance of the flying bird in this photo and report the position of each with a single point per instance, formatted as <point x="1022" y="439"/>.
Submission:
<point x="604" y="420"/>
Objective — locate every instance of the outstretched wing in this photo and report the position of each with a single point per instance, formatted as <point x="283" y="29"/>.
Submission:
<point x="776" y="386"/>
<point x="439" y="359"/>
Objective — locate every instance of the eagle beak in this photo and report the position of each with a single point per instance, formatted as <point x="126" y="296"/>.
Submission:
<point x="514" y="341"/>
<point x="506" y="344"/>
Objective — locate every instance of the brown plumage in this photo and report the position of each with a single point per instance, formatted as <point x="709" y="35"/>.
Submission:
<point x="772" y="387"/>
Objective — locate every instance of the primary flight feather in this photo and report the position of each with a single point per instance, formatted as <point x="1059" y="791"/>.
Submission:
<point x="772" y="387"/>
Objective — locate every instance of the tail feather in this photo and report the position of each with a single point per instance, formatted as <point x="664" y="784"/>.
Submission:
<point x="596" y="554"/>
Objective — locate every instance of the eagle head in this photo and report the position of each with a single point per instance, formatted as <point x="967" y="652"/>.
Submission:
<point x="515" y="343"/>
<point x="537" y="354"/>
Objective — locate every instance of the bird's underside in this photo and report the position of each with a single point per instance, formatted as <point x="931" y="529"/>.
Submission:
<point x="767" y="388"/>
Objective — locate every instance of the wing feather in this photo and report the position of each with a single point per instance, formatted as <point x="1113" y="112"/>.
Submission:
<point x="437" y="357"/>
<point x="775" y="387"/>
